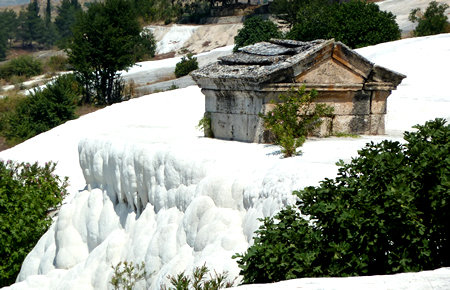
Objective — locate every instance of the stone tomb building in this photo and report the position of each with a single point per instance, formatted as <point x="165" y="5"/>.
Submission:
<point x="240" y="86"/>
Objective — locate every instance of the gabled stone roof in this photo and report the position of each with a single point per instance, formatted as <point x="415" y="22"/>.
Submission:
<point x="281" y="61"/>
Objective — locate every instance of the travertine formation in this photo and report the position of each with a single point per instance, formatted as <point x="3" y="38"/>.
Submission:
<point x="242" y="85"/>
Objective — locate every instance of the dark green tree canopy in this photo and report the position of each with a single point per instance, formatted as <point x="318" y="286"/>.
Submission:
<point x="105" y="40"/>
<point x="255" y="30"/>
<point x="355" y="23"/>
<point x="65" y="19"/>
<point x="31" y="25"/>
<point x="433" y="21"/>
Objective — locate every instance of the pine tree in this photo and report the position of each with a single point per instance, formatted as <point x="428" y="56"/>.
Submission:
<point x="8" y="27"/>
<point x="31" y="26"/>
<point x="3" y="42"/>
<point x="49" y="34"/>
<point x="8" y="20"/>
<point x="65" y="20"/>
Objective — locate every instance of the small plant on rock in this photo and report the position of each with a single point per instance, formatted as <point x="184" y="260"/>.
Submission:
<point x="205" y="125"/>
<point x="127" y="274"/>
<point x="186" y="65"/>
<point x="199" y="281"/>
<point x="294" y="118"/>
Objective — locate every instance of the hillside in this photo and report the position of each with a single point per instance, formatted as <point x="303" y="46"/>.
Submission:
<point x="4" y="3"/>
<point x="158" y="192"/>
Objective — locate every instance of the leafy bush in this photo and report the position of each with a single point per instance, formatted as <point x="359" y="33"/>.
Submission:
<point x="205" y="125"/>
<point x="186" y="65"/>
<point x="146" y="47"/>
<point x="199" y="281"/>
<point x="56" y="63"/>
<point x="286" y="10"/>
<point x="43" y="110"/>
<point x="433" y="21"/>
<point x="157" y="10"/>
<point x="255" y="30"/>
<point x="7" y="104"/>
<point x="21" y="66"/>
<point x="355" y="23"/>
<point x="294" y="118"/>
<point x="387" y="211"/>
<point x="195" y="11"/>
<point x="28" y="196"/>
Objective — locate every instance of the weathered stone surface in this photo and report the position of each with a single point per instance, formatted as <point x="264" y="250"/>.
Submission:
<point x="238" y="127"/>
<point x="266" y="48"/>
<point x="232" y="102"/>
<point x="377" y="124"/>
<point x="325" y="128"/>
<point x="351" y="124"/>
<point x="379" y="99"/>
<point x="309" y="58"/>
<point x="330" y="72"/>
<point x="299" y="46"/>
<point x="382" y="74"/>
<point x="352" y="60"/>
<point x="243" y="84"/>
<point x="244" y="58"/>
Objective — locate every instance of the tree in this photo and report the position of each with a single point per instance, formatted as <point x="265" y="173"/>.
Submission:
<point x="433" y="21"/>
<point x="49" y="33"/>
<point x="65" y="19"/>
<point x="255" y="30"/>
<point x="355" y="23"/>
<point x="3" y="42"/>
<point x="8" y="21"/>
<point x="314" y="20"/>
<point x="286" y="10"/>
<point x="104" y="42"/>
<point x="31" y="26"/>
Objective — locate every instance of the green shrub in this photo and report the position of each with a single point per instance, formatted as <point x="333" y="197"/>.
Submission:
<point x="21" y="66"/>
<point x="195" y="12"/>
<point x="433" y="21"/>
<point x="205" y="125"/>
<point x="157" y="10"/>
<point x="147" y="45"/>
<point x="294" y="118"/>
<point x="28" y="196"/>
<point x="43" y="110"/>
<point x="126" y="275"/>
<point x="355" y="23"/>
<point x="56" y="63"/>
<point x="199" y="281"/>
<point x="387" y="211"/>
<point x="255" y="30"/>
<point x="186" y="65"/>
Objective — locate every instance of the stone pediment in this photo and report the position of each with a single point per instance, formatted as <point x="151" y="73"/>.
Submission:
<point x="330" y="72"/>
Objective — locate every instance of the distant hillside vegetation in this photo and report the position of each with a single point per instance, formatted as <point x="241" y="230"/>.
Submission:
<point x="12" y="2"/>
